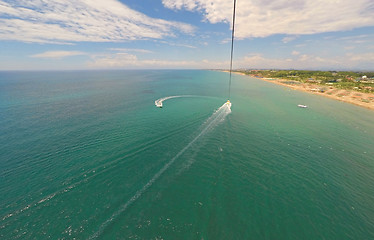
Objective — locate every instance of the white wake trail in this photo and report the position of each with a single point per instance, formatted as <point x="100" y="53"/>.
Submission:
<point x="159" y="101"/>
<point x="217" y="117"/>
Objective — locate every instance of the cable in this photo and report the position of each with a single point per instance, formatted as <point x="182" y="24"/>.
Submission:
<point x="232" y="44"/>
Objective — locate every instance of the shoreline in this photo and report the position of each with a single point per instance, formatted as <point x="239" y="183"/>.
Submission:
<point x="357" y="98"/>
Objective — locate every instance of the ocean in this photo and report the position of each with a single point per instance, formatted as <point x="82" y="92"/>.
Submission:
<point x="88" y="155"/>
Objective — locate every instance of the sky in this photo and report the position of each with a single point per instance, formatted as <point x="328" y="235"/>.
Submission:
<point x="186" y="34"/>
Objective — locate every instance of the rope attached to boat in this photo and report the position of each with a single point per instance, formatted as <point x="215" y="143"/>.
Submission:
<point x="232" y="44"/>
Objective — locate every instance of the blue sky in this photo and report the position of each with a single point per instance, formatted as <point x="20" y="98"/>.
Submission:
<point x="186" y="34"/>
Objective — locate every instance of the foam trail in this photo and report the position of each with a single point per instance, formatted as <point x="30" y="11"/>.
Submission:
<point x="217" y="117"/>
<point x="159" y="101"/>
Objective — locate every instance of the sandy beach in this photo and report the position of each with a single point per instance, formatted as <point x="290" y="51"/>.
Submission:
<point x="358" y="98"/>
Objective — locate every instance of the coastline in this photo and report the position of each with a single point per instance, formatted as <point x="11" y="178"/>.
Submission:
<point x="357" y="98"/>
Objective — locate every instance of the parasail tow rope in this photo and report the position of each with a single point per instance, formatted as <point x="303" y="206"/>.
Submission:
<point x="232" y="44"/>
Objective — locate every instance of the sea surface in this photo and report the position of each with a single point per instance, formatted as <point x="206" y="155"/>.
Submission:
<point x="87" y="155"/>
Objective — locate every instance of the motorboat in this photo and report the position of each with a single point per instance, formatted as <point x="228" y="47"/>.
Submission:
<point x="158" y="104"/>
<point x="228" y="103"/>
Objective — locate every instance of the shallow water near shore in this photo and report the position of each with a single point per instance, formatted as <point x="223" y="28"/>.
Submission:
<point x="88" y="155"/>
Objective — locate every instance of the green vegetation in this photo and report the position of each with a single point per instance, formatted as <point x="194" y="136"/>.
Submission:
<point x="359" y="81"/>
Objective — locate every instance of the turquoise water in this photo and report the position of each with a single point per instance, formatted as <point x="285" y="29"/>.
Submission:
<point x="87" y="155"/>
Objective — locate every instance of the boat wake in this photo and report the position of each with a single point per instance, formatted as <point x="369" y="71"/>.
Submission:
<point x="217" y="117"/>
<point x="159" y="101"/>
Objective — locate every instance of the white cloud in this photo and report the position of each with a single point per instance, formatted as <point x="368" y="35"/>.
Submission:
<point x="345" y="62"/>
<point x="356" y="40"/>
<point x="57" y="54"/>
<point x="116" y="60"/>
<point x="357" y="37"/>
<point x="178" y="44"/>
<point x="225" y="40"/>
<point x="69" y="21"/>
<point x="262" y="18"/>
<point x="304" y="58"/>
<point x="288" y="39"/>
<point x="125" y="60"/>
<point x="349" y="47"/>
<point x="361" y="57"/>
<point x="130" y="61"/>
<point x="260" y="62"/>
<point x="130" y="50"/>
<point x="295" y="53"/>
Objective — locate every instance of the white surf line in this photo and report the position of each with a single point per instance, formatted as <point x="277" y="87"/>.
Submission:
<point x="212" y="121"/>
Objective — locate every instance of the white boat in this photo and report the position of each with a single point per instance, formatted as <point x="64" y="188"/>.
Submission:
<point x="302" y="106"/>
<point x="228" y="103"/>
<point x="158" y="104"/>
